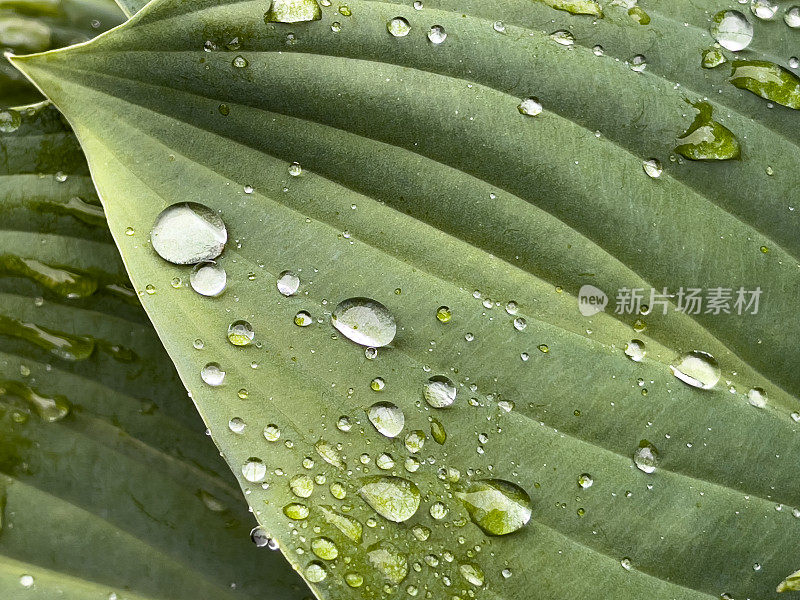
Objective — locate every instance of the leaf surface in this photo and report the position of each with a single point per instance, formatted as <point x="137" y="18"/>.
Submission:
<point x="422" y="185"/>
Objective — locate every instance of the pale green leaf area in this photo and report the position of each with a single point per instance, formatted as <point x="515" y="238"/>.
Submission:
<point x="422" y="185"/>
<point x="108" y="486"/>
<point x="36" y="25"/>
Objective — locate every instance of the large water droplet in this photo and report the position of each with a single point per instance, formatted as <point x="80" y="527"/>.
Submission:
<point x="212" y="374"/>
<point x="315" y="572"/>
<point x="698" y="369"/>
<point x="792" y="17"/>
<point x="240" y="333"/>
<point x="646" y="457"/>
<point x="706" y="139"/>
<point x="254" y="470"/>
<point x="439" y="391"/>
<point x="365" y="322"/>
<point x="188" y="233"/>
<point x="293" y="11"/>
<point x="324" y="548"/>
<point x="208" y="279"/>
<point x="732" y="30"/>
<point x="437" y="34"/>
<point x="498" y="507"/>
<point x="768" y="80"/>
<point x="387" y="418"/>
<point x="387" y="559"/>
<point x="393" y="498"/>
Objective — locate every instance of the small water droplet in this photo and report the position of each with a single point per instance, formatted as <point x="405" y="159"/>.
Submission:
<point x="698" y="369"/>
<point x="792" y="17"/>
<point x="498" y="507"/>
<point x="272" y="432"/>
<point x="499" y="27"/>
<point x="187" y="233"/>
<point x="10" y="120"/>
<point x="316" y="572"/>
<point x="585" y="481"/>
<point x="288" y="283"/>
<point x="652" y="167"/>
<point x="398" y="27"/>
<point x="394" y="498"/>
<point x="240" y="333"/>
<point x="303" y="319"/>
<point x="757" y="397"/>
<point x="364" y="321"/>
<point x="763" y="9"/>
<point x="258" y="535"/>
<point x="638" y="63"/>
<point x="530" y="107"/>
<point x="254" y="470"/>
<point x="295" y="170"/>
<point x="444" y="314"/>
<point x="563" y="37"/>
<point x="635" y="350"/>
<point x="732" y="30"/>
<point x="293" y="11"/>
<point x="387" y="418"/>
<point x="208" y="279"/>
<point x="472" y="574"/>
<point x="237" y="425"/>
<point x="439" y="391"/>
<point x="646" y="457"/>
<point x="437" y="34"/>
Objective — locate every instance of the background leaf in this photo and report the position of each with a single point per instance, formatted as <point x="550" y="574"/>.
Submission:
<point x="422" y="185"/>
<point x="108" y="486"/>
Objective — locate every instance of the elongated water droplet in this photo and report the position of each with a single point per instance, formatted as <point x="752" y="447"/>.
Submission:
<point x="652" y="167"/>
<point x="240" y="333"/>
<point x="208" y="279"/>
<point x="712" y="57"/>
<point x="563" y="37"/>
<point x="288" y="283"/>
<point x="530" y="107"/>
<point x="324" y="548"/>
<point x="472" y="574"/>
<point x="212" y="374"/>
<point x="188" y="233"/>
<point x="293" y="11"/>
<point x="349" y="526"/>
<point x="389" y="561"/>
<point x="398" y="27"/>
<point x="707" y="139"/>
<point x="49" y="408"/>
<point x="63" y="345"/>
<point x="296" y="511"/>
<point x="757" y="397"/>
<point x="732" y="30"/>
<point x="577" y="7"/>
<point x="394" y="498"/>
<point x="439" y="391"/>
<point x="364" y="321"/>
<point x="646" y="457"/>
<point x="697" y="369"/>
<point x="768" y="80"/>
<point x="790" y="584"/>
<point x="497" y="506"/>
<point x="438" y="432"/>
<point x="387" y="418"/>
<point x="635" y="350"/>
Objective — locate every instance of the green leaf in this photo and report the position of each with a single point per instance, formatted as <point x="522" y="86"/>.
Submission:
<point x="107" y="483"/>
<point x="420" y="184"/>
<point x="131" y="7"/>
<point x="36" y="25"/>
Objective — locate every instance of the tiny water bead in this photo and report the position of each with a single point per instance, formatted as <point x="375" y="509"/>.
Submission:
<point x="712" y="57"/>
<point x="295" y="170"/>
<point x="236" y="425"/>
<point x="437" y="34"/>
<point x="763" y="9"/>
<point x="638" y="63"/>
<point x="387" y="418"/>
<point x="732" y="30"/>
<point x="394" y="498"/>
<point x="499" y="26"/>
<point x="444" y="314"/>
<point x="697" y="369"/>
<point x="497" y="506"/>
<point x="520" y="323"/>
<point x="635" y="350"/>
<point x="239" y="62"/>
<point x="652" y="167"/>
<point x="212" y="374"/>
<point x="530" y="107"/>
<point x="365" y="322"/>
<point x="377" y="384"/>
<point x="757" y="397"/>
<point x="585" y="481"/>
<point x="254" y="470"/>
<point x="208" y="279"/>
<point x="240" y="333"/>
<point x="288" y="283"/>
<point x="398" y="27"/>
<point x="188" y="233"/>
<point x="272" y="433"/>
<point x="646" y="457"/>
<point x="439" y="391"/>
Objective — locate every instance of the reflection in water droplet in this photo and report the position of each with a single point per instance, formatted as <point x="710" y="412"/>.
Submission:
<point x="712" y="57"/>
<point x="530" y="107"/>
<point x="188" y="233"/>
<point x="254" y="470"/>
<point x="444" y="314"/>
<point x="272" y="432"/>
<point x="302" y="486"/>
<point x="315" y="572"/>
<point x="763" y="9"/>
<point x="792" y="17"/>
<point x="387" y="418"/>
<point x="208" y="279"/>
<point x="296" y="511"/>
<point x="497" y="506"/>
<point x="635" y="350"/>
<point x="288" y="283"/>
<point x="237" y="425"/>
<point x="698" y="369"/>
<point x="757" y="397"/>
<point x="212" y="374"/>
<point x="646" y="457"/>
<point x="364" y="321"/>
<point x="324" y="548"/>
<point x="394" y="498"/>
<point x="563" y="37"/>
<point x="259" y="537"/>
<point x="240" y="333"/>
<point x="293" y="11"/>
<point x="585" y="481"/>
<point x="439" y="391"/>
<point x="438" y="510"/>
<point x="295" y="170"/>
<point x="389" y="561"/>
<point x="414" y="441"/>
<point x="303" y="319"/>
<point x="732" y="30"/>
<point x="398" y="27"/>
<point x="437" y="34"/>
<point x="472" y="574"/>
<point x="240" y="62"/>
<point x="652" y="167"/>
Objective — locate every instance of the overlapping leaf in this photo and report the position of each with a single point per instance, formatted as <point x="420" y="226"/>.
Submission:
<point x="108" y="486"/>
<point x="421" y="183"/>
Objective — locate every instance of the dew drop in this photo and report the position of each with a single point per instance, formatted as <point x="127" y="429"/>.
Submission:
<point x="316" y="572"/>
<point x="303" y="319"/>
<point x="272" y="433"/>
<point x="585" y="481"/>
<point x="389" y="561"/>
<point x="444" y="314"/>
<point x="398" y="27"/>
<point x="394" y="498"/>
<point x="757" y="397"/>
<point x="237" y="425"/>
<point x="254" y="470"/>
<point x="530" y="107"/>
<point x="472" y="574"/>
<point x="364" y="321"/>
<point x="212" y="374"/>
<point x="697" y="369"/>
<point x="387" y="418"/>
<point x="437" y="34"/>
<point x="792" y="17"/>
<point x="652" y="167"/>
<point x="768" y="80"/>
<point x="208" y="279"/>
<point x="296" y="511"/>
<point x="187" y="233"/>
<point x="763" y="9"/>
<point x="638" y="63"/>
<point x="439" y="391"/>
<point x="497" y="506"/>
<point x="646" y="457"/>
<point x="732" y="30"/>
<point x="295" y="170"/>
<point x="258" y="535"/>
<point x="240" y="333"/>
<point x="635" y="350"/>
<point x="563" y="37"/>
<point x="288" y="283"/>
